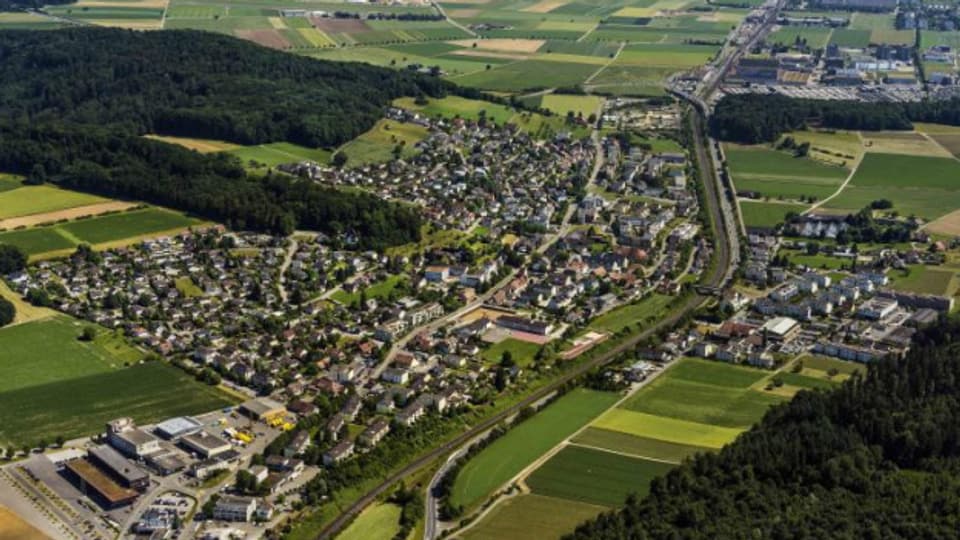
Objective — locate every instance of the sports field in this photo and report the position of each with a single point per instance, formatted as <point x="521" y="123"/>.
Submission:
<point x="767" y="215"/>
<point x="54" y="384"/>
<point x="378" y="521"/>
<point x="27" y="200"/>
<point x="531" y="516"/>
<point x="780" y="175"/>
<point x="918" y="185"/>
<point x="595" y="476"/>
<point x="510" y="454"/>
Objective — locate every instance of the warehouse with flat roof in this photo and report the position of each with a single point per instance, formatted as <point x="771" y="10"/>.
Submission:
<point x="262" y="409"/>
<point x="180" y="426"/>
<point x="205" y="444"/>
<point x="119" y="468"/>
<point x="97" y="485"/>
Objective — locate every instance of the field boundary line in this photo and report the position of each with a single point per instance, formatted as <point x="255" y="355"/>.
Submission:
<point x="620" y="453"/>
<point x="609" y="63"/>
<point x="587" y="33"/>
<point x="853" y="171"/>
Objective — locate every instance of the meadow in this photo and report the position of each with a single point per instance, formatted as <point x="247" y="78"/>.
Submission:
<point x="28" y="200"/>
<point x="667" y="429"/>
<point x="643" y="311"/>
<point x="579" y="105"/>
<point x="273" y="154"/>
<point x="528" y="75"/>
<point x="70" y="388"/>
<point x="522" y="445"/>
<point x="531" y="516"/>
<point x="767" y="215"/>
<point x="379" y="143"/>
<point x="636" y="445"/>
<point x="379" y="290"/>
<point x="924" y="280"/>
<point x="378" y="521"/>
<point x="522" y="352"/>
<point x="594" y="476"/>
<point x="918" y="185"/>
<point x="777" y="174"/>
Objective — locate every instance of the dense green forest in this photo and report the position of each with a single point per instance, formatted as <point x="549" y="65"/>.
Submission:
<point x="877" y="458"/>
<point x="756" y="118"/>
<point x="74" y="104"/>
<point x="194" y="84"/>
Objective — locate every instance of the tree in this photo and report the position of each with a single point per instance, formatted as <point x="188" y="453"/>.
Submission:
<point x="339" y="160"/>
<point x="12" y="259"/>
<point x="89" y="333"/>
<point x="8" y="312"/>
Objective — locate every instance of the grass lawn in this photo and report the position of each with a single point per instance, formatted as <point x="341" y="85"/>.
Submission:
<point x="379" y="290"/>
<point x="646" y="310"/>
<point x="924" y="280"/>
<point x="522" y="351"/>
<point x="636" y="445"/>
<point x="378" y="521"/>
<point x="28" y="200"/>
<point x="666" y="429"/>
<point x="377" y="145"/>
<point x="453" y="106"/>
<point x="54" y="384"/>
<point x="703" y="403"/>
<point x="924" y="186"/>
<point x="126" y="225"/>
<point x="508" y="455"/>
<point x="777" y="174"/>
<point x="767" y="215"/>
<point x="561" y="104"/>
<point x="708" y="372"/>
<point x="825" y="364"/>
<point x="187" y="287"/>
<point x="808" y="382"/>
<point x="531" y="516"/>
<point x="595" y="476"/>
<point x="273" y="154"/>
<point x="37" y="241"/>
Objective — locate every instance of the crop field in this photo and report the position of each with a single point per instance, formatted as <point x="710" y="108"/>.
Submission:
<point x="204" y="146"/>
<point x="625" y="443"/>
<point x="27" y="21"/>
<point x="455" y="106"/>
<point x="13" y="527"/>
<point x="594" y="476"/>
<point x="848" y="37"/>
<point x="697" y="370"/>
<point x="28" y="200"/>
<point x="126" y="225"/>
<point x="626" y="80"/>
<point x="665" y="55"/>
<point x="378" y="521"/>
<point x="548" y="518"/>
<point x="816" y="38"/>
<point x="807" y="382"/>
<point x="582" y="105"/>
<point x="924" y="280"/>
<point x="881" y="28"/>
<point x="273" y="154"/>
<point x="923" y="186"/>
<point x="522" y="352"/>
<point x="666" y="429"/>
<point x="646" y="310"/>
<point x="900" y="142"/>
<point x="378" y="144"/>
<point x="37" y="241"/>
<point x="510" y="454"/>
<point x="528" y="75"/>
<point x="767" y="215"/>
<point x="776" y="174"/>
<point x="54" y="384"/>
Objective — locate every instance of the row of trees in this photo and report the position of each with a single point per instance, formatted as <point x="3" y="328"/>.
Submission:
<point x="877" y="458"/>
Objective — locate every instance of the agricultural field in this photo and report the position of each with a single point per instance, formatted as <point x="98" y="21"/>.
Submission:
<point x="71" y="387"/>
<point x="528" y="75"/>
<point x="28" y="200"/>
<point x="382" y="142"/>
<point x="850" y="38"/>
<point x="814" y="37"/>
<point x="27" y="21"/>
<point x="923" y="186"/>
<point x="522" y="445"/>
<point x="837" y="148"/>
<point x="779" y="175"/>
<point x="636" y="445"/>
<point x="520" y="517"/>
<point x="924" y="280"/>
<point x="902" y="142"/>
<point x="578" y="105"/>
<point x="12" y="527"/>
<point x="594" y="476"/>
<point x="378" y="521"/>
<point x="881" y="28"/>
<point x="522" y="352"/>
<point x="103" y="231"/>
<point x="204" y="146"/>
<point x="767" y="215"/>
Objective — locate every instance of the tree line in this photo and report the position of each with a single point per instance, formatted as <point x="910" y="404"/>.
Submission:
<point x="879" y="457"/>
<point x="757" y="118"/>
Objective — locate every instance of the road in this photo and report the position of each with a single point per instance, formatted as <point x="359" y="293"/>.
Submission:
<point x="287" y="260"/>
<point x="717" y="278"/>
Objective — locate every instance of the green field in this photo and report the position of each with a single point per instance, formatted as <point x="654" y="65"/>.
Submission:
<point x="594" y="476"/>
<point x="521" y="351"/>
<point x="55" y="384"/>
<point x="825" y="364"/>
<point x="917" y="185"/>
<point x="582" y="105"/>
<point x="379" y="290"/>
<point x="636" y="445"/>
<point x="528" y="75"/>
<point x="274" y="154"/>
<point x="815" y="38"/>
<point x="648" y="309"/>
<point x="924" y="280"/>
<point x="531" y="516"/>
<point x="37" y="241"/>
<point x="456" y="106"/>
<point x="716" y="373"/>
<point x="847" y="37"/>
<point x="28" y="200"/>
<point x="767" y="215"/>
<point x="808" y="382"/>
<point x="666" y="429"/>
<point x="126" y="225"/>
<point x="378" y="144"/>
<point x="776" y="174"/>
<point x="378" y="521"/>
<point x="508" y="455"/>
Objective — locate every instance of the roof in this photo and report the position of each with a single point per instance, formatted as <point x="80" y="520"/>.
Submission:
<point x="108" y="489"/>
<point x="262" y="406"/>
<point x="205" y="441"/>
<point x="135" y="436"/>
<point x="120" y="465"/>
<point x="177" y="427"/>
<point x="780" y="325"/>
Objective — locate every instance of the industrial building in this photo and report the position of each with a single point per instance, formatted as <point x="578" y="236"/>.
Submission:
<point x="124" y="435"/>
<point x="205" y="444"/>
<point x="262" y="409"/>
<point x="119" y="468"/>
<point x="178" y="427"/>
<point x="97" y="485"/>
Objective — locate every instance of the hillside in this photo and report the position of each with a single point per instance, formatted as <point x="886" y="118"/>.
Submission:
<point x="877" y="458"/>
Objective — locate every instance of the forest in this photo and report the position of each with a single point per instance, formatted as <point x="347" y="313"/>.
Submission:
<point x="755" y="118"/>
<point x="879" y="457"/>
